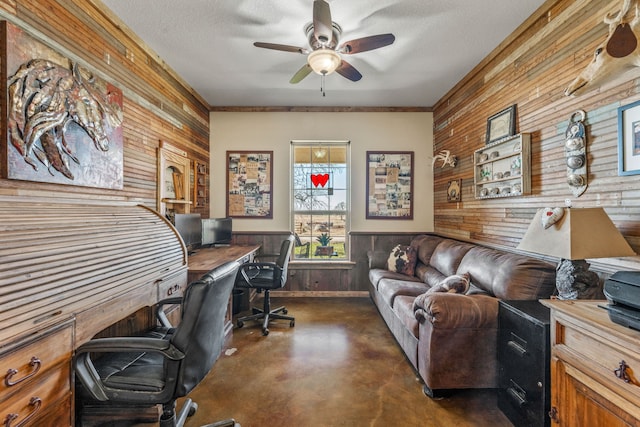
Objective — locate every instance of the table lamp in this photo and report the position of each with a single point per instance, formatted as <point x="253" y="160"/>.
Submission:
<point x="573" y="235"/>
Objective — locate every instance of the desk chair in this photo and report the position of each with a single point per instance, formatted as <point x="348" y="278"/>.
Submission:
<point x="168" y="362"/>
<point x="265" y="276"/>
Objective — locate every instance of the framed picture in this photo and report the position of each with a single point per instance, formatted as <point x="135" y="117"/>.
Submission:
<point x="501" y="124"/>
<point x="249" y="184"/>
<point x="629" y="139"/>
<point x="389" y="185"/>
<point x="453" y="190"/>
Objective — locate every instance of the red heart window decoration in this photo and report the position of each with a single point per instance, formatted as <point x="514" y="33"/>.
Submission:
<point x="320" y="180"/>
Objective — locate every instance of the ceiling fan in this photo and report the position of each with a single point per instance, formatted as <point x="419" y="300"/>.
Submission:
<point x="324" y="56"/>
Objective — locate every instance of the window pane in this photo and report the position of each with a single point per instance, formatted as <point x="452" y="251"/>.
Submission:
<point x="320" y="199"/>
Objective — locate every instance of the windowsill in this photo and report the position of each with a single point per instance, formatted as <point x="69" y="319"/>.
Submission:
<point x="321" y="264"/>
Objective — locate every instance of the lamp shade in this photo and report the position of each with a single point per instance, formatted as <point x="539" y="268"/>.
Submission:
<point x="579" y="234"/>
<point x="324" y="61"/>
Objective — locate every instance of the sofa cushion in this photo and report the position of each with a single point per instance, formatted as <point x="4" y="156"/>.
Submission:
<point x="377" y="274"/>
<point x="402" y="259"/>
<point x="390" y="288"/>
<point x="403" y="307"/>
<point x="447" y="256"/>
<point x="508" y="275"/>
<point x="426" y="244"/>
<point x="458" y="284"/>
<point x="428" y="274"/>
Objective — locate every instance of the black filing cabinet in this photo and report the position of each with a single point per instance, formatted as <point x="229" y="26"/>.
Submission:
<point x="523" y="362"/>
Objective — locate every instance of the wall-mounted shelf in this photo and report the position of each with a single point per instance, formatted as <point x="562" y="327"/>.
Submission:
<point x="200" y="184"/>
<point x="503" y="168"/>
<point x="173" y="180"/>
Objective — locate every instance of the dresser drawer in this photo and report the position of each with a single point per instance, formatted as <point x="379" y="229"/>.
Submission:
<point x="40" y="397"/>
<point x="173" y="286"/>
<point x="31" y="360"/>
<point x="602" y="357"/>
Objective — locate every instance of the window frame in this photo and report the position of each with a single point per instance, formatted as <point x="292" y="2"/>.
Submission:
<point x="346" y="144"/>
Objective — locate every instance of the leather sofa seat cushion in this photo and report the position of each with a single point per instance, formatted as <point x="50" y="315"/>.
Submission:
<point x="429" y="275"/>
<point x="389" y="289"/>
<point x="447" y="256"/>
<point x="377" y="274"/>
<point x="508" y="276"/>
<point x="403" y="307"/>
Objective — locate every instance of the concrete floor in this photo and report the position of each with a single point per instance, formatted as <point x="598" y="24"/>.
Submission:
<point x="339" y="366"/>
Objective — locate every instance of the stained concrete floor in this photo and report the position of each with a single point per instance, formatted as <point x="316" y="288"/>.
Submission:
<point x="339" y="366"/>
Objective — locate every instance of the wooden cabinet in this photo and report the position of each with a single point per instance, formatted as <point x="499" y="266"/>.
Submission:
<point x="523" y="362"/>
<point x="595" y="367"/>
<point x="503" y="168"/>
<point x="174" y="170"/>
<point x="37" y="379"/>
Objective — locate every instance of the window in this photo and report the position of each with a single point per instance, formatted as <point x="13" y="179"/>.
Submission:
<point x="320" y="199"/>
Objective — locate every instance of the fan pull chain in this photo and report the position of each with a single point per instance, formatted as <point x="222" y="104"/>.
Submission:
<point x="322" y="85"/>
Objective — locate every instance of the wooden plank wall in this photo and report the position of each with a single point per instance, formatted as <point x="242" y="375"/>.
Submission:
<point x="158" y="105"/>
<point x="531" y="69"/>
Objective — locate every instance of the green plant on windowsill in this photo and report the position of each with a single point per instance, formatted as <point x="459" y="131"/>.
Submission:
<point x="324" y="239"/>
<point x="324" y="249"/>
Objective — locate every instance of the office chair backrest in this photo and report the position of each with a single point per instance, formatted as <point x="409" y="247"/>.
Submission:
<point x="283" y="258"/>
<point x="200" y="334"/>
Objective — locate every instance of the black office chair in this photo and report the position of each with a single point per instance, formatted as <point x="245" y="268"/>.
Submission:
<point x="265" y="276"/>
<point x="166" y="363"/>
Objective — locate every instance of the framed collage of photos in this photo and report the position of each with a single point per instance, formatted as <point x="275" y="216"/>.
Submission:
<point x="389" y="185"/>
<point x="249" y="184"/>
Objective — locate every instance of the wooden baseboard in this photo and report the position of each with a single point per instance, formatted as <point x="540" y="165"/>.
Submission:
<point x="330" y="294"/>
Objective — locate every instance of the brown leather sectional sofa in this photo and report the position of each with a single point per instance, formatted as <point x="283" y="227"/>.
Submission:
<point x="450" y="338"/>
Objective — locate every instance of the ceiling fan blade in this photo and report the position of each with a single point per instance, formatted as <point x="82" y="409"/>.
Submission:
<point x="348" y="71"/>
<point x="367" y="43"/>
<point x="322" y="24"/>
<point x="283" y="47"/>
<point x="300" y="74"/>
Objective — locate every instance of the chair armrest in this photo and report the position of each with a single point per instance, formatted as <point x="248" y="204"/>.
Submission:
<point x="87" y="373"/>
<point x="452" y="311"/>
<point x="378" y="259"/>
<point x="161" y="315"/>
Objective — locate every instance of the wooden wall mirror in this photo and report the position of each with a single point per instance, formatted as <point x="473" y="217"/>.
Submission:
<point x="173" y="192"/>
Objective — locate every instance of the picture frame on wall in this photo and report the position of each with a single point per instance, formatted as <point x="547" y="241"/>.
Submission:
<point x="454" y="190"/>
<point x="389" y="185"/>
<point x="629" y="139"/>
<point x="250" y="184"/>
<point x="501" y="125"/>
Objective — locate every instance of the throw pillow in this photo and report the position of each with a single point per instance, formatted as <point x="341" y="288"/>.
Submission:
<point x="458" y="283"/>
<point x="403" y="260"/>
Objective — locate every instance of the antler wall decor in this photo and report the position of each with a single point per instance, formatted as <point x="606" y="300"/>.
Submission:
<point x="446" y="158"/>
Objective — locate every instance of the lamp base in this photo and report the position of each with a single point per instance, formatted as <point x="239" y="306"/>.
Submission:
<point x="575" y="281"/>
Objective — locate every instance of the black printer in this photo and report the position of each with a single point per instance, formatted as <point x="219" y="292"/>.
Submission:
<point x="622" y="290"/>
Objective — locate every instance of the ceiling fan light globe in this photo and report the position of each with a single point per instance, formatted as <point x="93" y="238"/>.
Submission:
<point x="324" y="61"/>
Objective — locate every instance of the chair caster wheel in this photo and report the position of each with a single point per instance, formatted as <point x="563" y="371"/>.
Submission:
<point x="192" y="409"/>
<point x="292" y="324"/>
<point x="265" y="332"/>
<point x="240" y="324"/>
<point x="284" y="311"/>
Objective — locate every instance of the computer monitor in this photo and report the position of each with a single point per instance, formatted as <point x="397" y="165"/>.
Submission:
<point x="189" y="227"/>
<point x="216" y="231"/>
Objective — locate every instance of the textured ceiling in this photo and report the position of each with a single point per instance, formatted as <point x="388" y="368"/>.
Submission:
<point x="209" y="43"/>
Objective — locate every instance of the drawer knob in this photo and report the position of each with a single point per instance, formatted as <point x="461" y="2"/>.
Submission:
<point x="35" y="403"/>
<point x="35" y="363"/>
<point x="621" y="372"/>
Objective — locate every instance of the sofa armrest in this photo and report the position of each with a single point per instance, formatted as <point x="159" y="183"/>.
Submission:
<point x="451" y="311"/>
<point x="378" y="259"/>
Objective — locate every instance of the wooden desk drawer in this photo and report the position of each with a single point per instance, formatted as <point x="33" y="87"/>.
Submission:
<point x="28" y="362"/>
<point x="172" y="286"/>
<point x="601" y="358"/>
<point x="41" y="397"/>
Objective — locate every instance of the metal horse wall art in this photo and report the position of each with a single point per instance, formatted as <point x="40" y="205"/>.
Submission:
<point x="617" y="54"/>
<point x="44" y="99"/>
